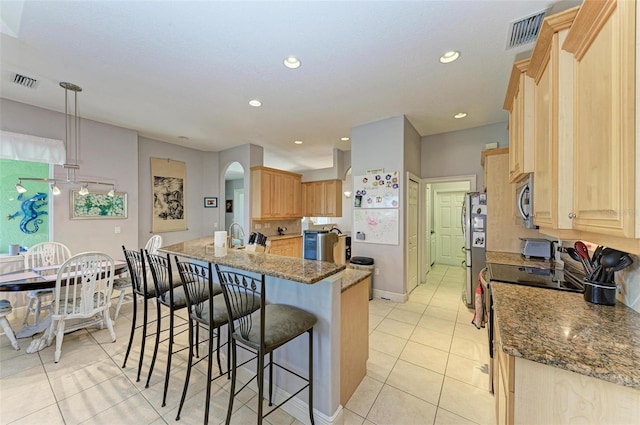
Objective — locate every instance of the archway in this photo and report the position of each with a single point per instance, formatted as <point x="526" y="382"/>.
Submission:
<point x="234" y="202"/>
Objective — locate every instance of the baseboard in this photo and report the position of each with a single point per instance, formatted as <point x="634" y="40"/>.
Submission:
<point x="390" y="296"/>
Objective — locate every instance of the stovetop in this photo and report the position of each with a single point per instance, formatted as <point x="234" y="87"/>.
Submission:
<point x="564" y="280"/>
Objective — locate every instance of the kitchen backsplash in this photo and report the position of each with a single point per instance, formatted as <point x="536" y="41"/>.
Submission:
<point x="628" y="279"/>
<point x="270" y="227"/>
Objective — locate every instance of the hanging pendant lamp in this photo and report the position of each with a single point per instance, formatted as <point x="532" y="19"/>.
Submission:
<point x="71" y="125"/>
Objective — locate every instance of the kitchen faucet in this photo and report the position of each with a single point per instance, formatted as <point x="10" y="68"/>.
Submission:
<point x="336" y="229"/>
<point x="231" y="234"/>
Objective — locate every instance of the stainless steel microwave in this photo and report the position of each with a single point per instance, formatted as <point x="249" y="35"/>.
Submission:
<point x="524" y="201"/>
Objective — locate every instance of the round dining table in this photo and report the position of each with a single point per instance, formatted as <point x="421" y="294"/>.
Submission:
<point x="39" y="278"/>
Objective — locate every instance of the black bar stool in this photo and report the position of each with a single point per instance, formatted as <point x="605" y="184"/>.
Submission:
<point x="266" y="329"/>
<point x="140" y="288"/>
<point x="206" y="307"/>
<point x="171" y="296"/>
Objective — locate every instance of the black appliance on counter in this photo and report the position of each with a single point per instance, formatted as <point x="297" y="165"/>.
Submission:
<point x="570" y="280"/>
<point x="564" y="280"/>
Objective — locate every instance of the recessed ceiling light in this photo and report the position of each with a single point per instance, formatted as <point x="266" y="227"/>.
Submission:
<point x="344" y="139"/>
<point x="460" y="115"/>
<point x="449" y="57"/>
<point x="292" y="62"/>
<point x="298" y="142"/>
<point x="255" y="102"/>
<point x="183" y="138"/>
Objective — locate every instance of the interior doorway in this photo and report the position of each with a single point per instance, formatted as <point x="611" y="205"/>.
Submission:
<point x="430" y="235"/>
<point x="234" y="199"/>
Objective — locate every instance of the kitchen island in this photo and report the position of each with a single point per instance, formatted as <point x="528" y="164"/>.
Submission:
<point x="560" y="359"/>
<point x="315" y="286"/>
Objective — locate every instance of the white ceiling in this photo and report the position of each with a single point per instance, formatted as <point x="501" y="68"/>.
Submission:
<point x="189" y="68"/>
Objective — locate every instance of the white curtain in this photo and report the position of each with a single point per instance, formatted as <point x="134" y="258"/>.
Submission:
<point x="24" y="147"/>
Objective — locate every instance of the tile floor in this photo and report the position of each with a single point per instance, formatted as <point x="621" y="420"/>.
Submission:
<point x="427" y="365"/>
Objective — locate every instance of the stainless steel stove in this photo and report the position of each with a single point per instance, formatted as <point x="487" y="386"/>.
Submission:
<point x="569" y="279"/>
<point x="564" y="280"/>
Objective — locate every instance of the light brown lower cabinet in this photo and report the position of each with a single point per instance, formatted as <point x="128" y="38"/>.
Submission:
<point x="528" y="392"/>
<point x="354" y="338"/>
<point x="290" y="247"/>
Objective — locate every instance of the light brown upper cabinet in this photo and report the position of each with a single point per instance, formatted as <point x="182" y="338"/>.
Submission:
<point x="519" y="102"/>
<point x="275" y="194"/>
<point x="552" y="72"/>
<point x="605" y="166"/>
<point x="322" y="198"/>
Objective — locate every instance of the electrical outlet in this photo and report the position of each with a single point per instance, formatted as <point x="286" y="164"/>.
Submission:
<point x="215" y="225"/>
<point x="258" y="226"/>
<point x="117" y="230"/>
<point x="267" y="226"/>
<point x="377" y="271"/>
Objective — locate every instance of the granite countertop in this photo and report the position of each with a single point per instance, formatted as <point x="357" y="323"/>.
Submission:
<point x="561" y="329"/>
<point x="513" y="259"/>
<point x="352" y="276"/>
<point x="289" y="268"/>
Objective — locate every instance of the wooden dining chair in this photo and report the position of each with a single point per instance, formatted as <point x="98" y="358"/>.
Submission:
<point x="83" y="291"/>
<point x="5" y="310"/>
<point x="41" y="255"/>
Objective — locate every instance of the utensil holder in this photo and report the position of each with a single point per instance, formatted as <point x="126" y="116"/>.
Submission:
<point x="599" y="292"/>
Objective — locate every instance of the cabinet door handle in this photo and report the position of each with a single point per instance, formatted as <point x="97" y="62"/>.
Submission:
<point x="572" y="215"/>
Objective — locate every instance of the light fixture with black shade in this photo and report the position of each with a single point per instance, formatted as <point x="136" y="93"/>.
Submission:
<point x="72" y="125"/>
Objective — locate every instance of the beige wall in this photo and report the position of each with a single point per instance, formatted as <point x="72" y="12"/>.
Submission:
<point x="106" y="153"/>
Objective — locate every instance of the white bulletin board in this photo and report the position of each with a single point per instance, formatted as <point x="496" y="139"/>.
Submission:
<point x="378" y="190"/>
<point x="377" y="225"/>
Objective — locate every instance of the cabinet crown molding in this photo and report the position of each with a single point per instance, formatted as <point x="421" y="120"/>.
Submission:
<point x="550" y="25"/>
<point x="517" y="70"/>
<point x="275" y="170"/>
<point x="587" y="24"/>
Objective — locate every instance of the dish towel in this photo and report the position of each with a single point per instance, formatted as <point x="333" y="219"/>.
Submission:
<point x="480" y="316"/>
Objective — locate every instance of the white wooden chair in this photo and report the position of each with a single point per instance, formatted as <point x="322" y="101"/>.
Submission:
<point x="123" y="284"/>
<point x="82" y="296"/>
<point x="42" y="255"/>
<point x="5" y="310"/>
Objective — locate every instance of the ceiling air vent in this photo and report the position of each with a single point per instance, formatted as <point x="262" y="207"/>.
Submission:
<point x="525" y="30"/>
<point x="25" y="81"/>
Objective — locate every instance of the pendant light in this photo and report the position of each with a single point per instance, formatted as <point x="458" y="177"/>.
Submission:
<point x="72" y="125"/>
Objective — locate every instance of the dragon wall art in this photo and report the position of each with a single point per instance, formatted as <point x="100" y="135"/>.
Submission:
<point x="30" y="212"/>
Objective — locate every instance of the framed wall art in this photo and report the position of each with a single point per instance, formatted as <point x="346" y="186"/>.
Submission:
<point x="97" y="205"/>
<point x="210" y="202"/>
<point x="169" y="195"/>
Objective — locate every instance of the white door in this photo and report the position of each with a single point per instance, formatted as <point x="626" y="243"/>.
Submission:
<point x="412" y="254"/>
<point x="449" y="238"/>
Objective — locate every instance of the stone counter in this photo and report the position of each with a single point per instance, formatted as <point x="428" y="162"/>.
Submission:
<point x="352" y="276"/>
<point x="561" y="329"/>
<point x="288" y="268"/>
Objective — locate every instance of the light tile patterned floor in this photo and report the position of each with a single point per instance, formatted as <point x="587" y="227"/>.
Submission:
<point x="427" y="365"/>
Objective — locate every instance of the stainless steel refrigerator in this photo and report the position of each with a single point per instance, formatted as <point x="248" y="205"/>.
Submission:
<point x="474" y="228"/>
